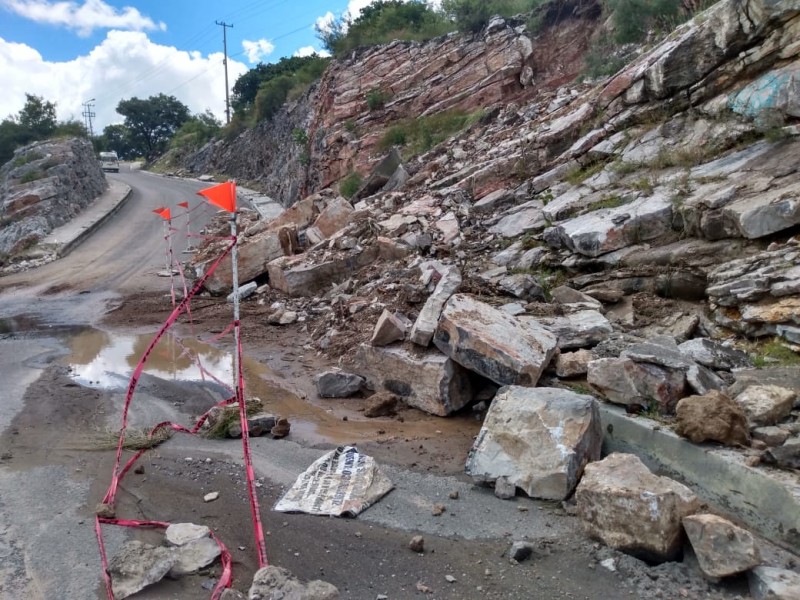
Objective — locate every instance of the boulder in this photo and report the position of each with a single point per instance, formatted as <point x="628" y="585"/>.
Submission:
<point x="271" y="583"/>
<point x="194" y="555"/>
<point x="577" y="330"/>
<point x="449" y="281"/>
<point x="381" y="404"/>
<point x="786" y="456"/>
<point x="338" y="384"/>
<point x="573" y="364"/>
<point x="428" y="381"/>
<point x="714" y="355"/>
<point x="300" y="276"/>
<point x="179" y="534"/>
<point x="138" y="565"/>
<point x="492" y="343"/>
<point x="254" y="256"/>
<point x="624" y="381"/>
<point x="539" y="439"/>
<point x="766" y="404"/>
<point x="624" y="505"/>
<point x="712" y="417"/>
<point x="567" y="295"/>
<point x="333" y="217"/>
<point x="771" y="435"/>
<point x="608" y="229"/>
<point x="391" y="327"/>
<point x="721" y="547"/>
<point x="492" y="201"/>
<point x="770" y="583"/>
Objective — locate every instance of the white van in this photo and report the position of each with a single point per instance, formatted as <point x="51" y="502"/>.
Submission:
<point x="109" y="161"/>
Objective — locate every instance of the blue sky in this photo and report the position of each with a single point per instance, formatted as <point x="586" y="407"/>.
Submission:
<point x="72" y="51"/>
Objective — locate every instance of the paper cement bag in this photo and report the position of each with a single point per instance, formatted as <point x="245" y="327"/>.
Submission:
<point x="342" y="483"/>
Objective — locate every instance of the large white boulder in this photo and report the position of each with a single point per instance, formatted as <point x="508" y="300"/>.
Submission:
<point x="721" y="547"/>
<point x="539" y="439"/>
<point x="493" y="343"/>
<point x="630" y="509"/>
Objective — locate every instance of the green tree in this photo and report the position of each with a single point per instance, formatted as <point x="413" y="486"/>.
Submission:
<point x="152" y="122"/>
<point x="71" y="128"/>
<point x="116" y="138"/>
<point x="246" y="87"/>
<point x="196" y="131"/>
<point x="632" y="19"/>
<point x="12" y="135"/>
<point x="38" y="117"/>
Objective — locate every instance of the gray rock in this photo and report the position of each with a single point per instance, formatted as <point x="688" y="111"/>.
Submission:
<point x="573" y="364"/>
<point x="504" y="489"/>
<point x="539" y="439"/>
<point x="492" y="343"/>
<point x="232" y="594"/>
<point x="714" y="355"/>
<point x="786" y="456"/>
<point x="430" y="382"/>
<point x="273" y="583"/>
<point x="179" y="534"/>
<point x="625" y="506"/>
<point x="391" y="327"/>
<point x="514" y="309"/>
<point x="248" y="289"/>
<point x="492" y="201"/>
<point x="770" y="583"/>
<point x="702" y="380"/>
<point x="138" y="565"/>
<point x="721" y="547"/>
<point x="766" y="404"/>
<point x="194" y="555"/>
<point x="658" y="354"/>
<point x="257" y="425"/>
<point x="771" y="435"/>
<point x="522" y="286"/>
<point x="425" y="325"/>
<point x="338" y="384"/>
<point x="624" y="381"/>
<point x="520" y="551"/>
<point x="610" y="229"/>
<point x="788" y="377"/>
<point x="567" y="295"/>
<point x="519" y="222"/>
<point x="576" y="330"/>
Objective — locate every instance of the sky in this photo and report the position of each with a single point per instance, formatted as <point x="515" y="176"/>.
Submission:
<point x="75" y="51"/>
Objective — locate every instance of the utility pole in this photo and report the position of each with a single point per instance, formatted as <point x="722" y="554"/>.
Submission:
<point x="225" y="26"/>
<point x="88" y="115"/>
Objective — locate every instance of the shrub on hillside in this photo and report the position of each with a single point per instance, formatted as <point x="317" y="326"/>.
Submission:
<point x="383" y="22"/>
<point x="473" y="15"/>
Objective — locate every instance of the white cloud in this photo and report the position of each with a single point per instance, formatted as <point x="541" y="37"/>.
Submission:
<point x="325" y="22"/>
<point x="83" y="18"/>
<point x="123" y="65"/>
<point x="257" y="50"/>
<point x="311" y="51"/>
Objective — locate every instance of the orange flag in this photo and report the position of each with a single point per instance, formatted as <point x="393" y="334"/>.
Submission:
<point x="183" y="204"/>
<point x="222" y="195"/>
<point x="164" y="213"/>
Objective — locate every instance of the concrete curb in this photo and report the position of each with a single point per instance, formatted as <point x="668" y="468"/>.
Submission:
<point x="768" y="501"/>
<point x="93" y="225"/>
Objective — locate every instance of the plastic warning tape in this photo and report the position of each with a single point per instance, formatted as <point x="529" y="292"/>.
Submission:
<point x="118" y="473"/>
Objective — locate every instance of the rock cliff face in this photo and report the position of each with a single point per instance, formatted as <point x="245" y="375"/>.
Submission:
<point x="44" y="186"/>
<point x="455" y="73"/>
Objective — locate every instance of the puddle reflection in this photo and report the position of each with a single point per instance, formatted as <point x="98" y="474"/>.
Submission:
<point x="102" y="360"/>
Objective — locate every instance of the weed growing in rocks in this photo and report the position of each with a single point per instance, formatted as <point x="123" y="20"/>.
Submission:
<point x="376" y="99"/>
<point x="421" y="134"/>
<point x="31" y="176"/>
<point x="581" y="174"/>
<point x="644" y="185"/>
<point x="610" y="201"/>
<point x="774" y="352"/>
<point x="350" y="185"/>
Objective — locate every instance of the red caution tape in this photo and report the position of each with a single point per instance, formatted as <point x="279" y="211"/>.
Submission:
<point x="119" y="472"/>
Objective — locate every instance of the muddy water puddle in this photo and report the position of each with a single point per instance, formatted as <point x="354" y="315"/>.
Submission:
<point x="105" y="360"/>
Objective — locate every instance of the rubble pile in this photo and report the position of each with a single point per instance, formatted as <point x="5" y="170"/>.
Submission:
<point x="632" y="241"/>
